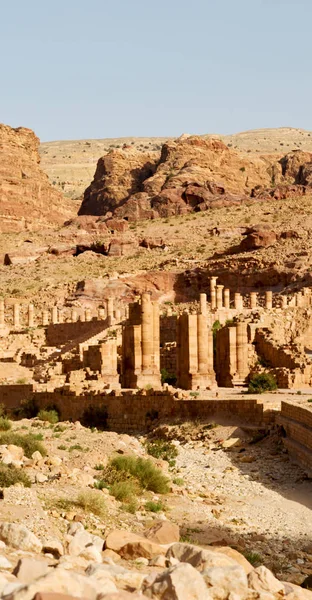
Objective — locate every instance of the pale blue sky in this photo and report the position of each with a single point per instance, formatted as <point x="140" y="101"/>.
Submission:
<point x="107" y="68"/>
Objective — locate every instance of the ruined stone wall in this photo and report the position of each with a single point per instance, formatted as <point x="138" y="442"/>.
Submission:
<point x="127" y="412"/>
<point x="65" y="333"/>
<point x="168" y="358"/>
<point x="297" y="423"/>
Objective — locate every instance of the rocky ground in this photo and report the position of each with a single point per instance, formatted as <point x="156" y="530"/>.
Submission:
<point x="231" y="492"/>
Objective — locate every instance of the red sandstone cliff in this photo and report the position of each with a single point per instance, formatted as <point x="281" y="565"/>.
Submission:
<point x="27" y="199"/>
<point x="190" y="174"/>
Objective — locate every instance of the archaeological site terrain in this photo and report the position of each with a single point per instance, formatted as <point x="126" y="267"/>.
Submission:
<point x="156" y="367"/>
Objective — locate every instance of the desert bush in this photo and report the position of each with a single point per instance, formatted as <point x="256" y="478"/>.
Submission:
<point x="154" y="507"/>
<point x="148" y="476"/>
<point x="27" y="442"/>
<point x="89" y="500"/>
<point x="162" y="449"/>
<point x="125" y="490"/>
<point x="10" y="475"/>
<point x="254" y="558"/>
<point x="49" y="416"/>
<point x="5" y="424"/>
<point x="167" y="377"/>
<point x="262" y="382"/>
<point x="178" y="481"/>
<point x="132" y="506"/>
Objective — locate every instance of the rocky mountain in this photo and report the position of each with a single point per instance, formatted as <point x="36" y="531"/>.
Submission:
<point x="190" y="174"/>
<point x="70" y="164"/>
<point x="28" y="200"/>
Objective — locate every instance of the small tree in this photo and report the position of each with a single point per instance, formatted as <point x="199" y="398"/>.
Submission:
<point x="262" y="382"/>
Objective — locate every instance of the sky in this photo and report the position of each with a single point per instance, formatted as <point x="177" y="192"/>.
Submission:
<point x="77" y="69"/>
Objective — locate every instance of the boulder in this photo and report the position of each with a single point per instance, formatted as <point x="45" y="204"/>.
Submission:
<point x="262" y="580"/>
<point x="257" y="240"/>
<point x="28" y="569"/>
<point x="198" y="557"/>
<point x="119" y="538"/>
<point x="235" y="555"/>
<point x="53" y="546"/>
<point x="61" y="581"/>
<point x="225" y="581"/>
<point x="123" y="578"/>
<point x="18" y="536"/>
<point x="141" y="548"/>
<point x="163" y="532"/>
<point x="177" y="583"/>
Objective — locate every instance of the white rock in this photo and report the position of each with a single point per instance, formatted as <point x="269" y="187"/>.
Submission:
<point x="91" y="553"/>
<point x="261" y="579"/>
<point x="226" y="580"/>
<point x="178" y="583"/>
<point x="61" y="581"/>
<point x="19" y="537"/>
<point x="122" y="577"/>
<point x="41" y="478"/>
<point x="5" y="563"/>
<point x="36" y="456"/>
<point x="28" y="569"/>
<point x="54" y="547"/>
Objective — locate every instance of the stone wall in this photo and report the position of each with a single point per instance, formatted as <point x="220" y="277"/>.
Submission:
<point x="297" y="423"/>
<point x="65" y="333"/>
<point x="130" y="412"/>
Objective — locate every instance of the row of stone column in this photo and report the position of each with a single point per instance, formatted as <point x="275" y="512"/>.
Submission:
<point x="220" y="298"/>
<point x="55" y="315"/>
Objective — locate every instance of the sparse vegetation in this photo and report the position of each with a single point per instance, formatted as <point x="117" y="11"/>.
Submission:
<point x="154" y="507"/>
<point x="254" y="558"/>
<point x="10" y="475"/>
<point x="49" y="416"/>
<point x="5" y="424"/>
<point x="125" y="490"/>
<point x="261" y="383"/>
<point x="148" y="476"/>
<point x="90" y="501"/>
<point x="162" y="449"/>
<point x="27" y="442"/>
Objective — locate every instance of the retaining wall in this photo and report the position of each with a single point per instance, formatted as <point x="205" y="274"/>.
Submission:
<point x="297" y="423"/>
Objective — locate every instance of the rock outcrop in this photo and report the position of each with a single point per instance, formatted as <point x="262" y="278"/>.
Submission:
<point x="190" y="174"/>
<point x="28" y="200"/>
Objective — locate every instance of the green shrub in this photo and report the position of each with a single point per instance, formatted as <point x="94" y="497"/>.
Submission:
<point x="254" y="558"/>
<point x="148" y="476"/>
<point x="125" y="490"/>
<point x="162" y="449"/>
<point x="262" y="382"/>
<point x="10" y="475"/>
<point x="75" y="447"/>
<point x="5" y="424"/>
<point x="91" y="501"/>
<point x="167" y="377"/>
<point x="27" y="442"/>
<point x="49" y="416"/>
<point x="95" y="416"/>
<point x="178" y="481"/>
<point x="99" y="467"/>
<point x="101" y="485"/>
<point x="131" y="507"/>
<point x="38" y="436"/>
<point x="59" y="428"/>
<point x="62" y="447"/>
<point x="154" y="507"/>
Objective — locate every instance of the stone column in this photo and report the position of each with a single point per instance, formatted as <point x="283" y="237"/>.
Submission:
<point x="88" y="314"/>
<point x="213" y="299"/>
<point x="54" y="315"/>
<point x="268" y="299"/>
<point x="2" y="318"/>
<point x="156" y="334"/>
<point x="237" y="301"/>
<point x="110" y="310"/>
<point x="202" y="344"/>
<point x="226" y="294"/>
<point x="16" y="315"/>
<point x="220" y="296"/>
<point x="253" y="300"/>
<point x="118" y="315"/>
<point x="147" y="331"/>
<point x="60" y="315"/>
<point x="169" y="311"/>
<point x="30" y="315"/>
<point x="284" y="301"/>
<point x="242" y="349"/>
<point x="74" y="315"/>
<point x="203" y="304"/>
<point x="232" y="351"/>
<point x="45" y="318"/>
